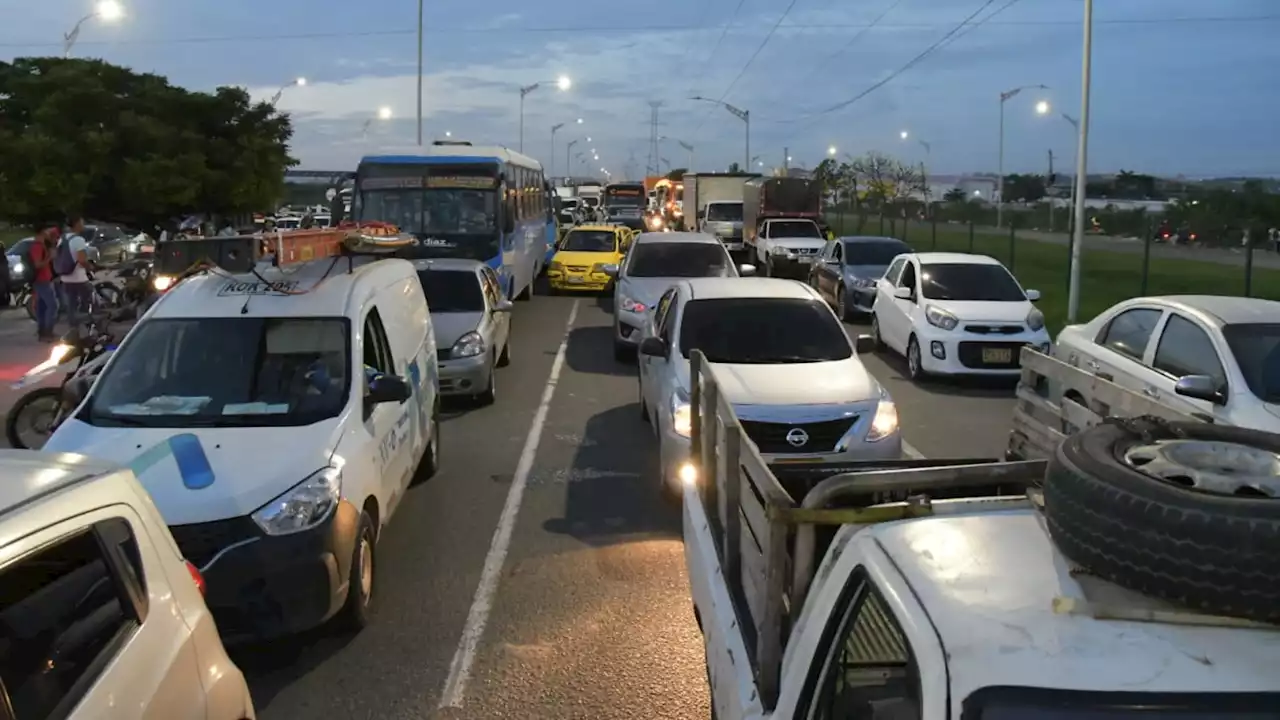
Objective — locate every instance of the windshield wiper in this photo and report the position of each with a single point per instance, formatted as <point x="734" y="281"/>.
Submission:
<point x="128" y="420"/>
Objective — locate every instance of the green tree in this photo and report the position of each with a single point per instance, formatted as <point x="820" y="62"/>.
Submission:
<point x="1024" y="188"/>
<point x="87" y="136"/>
<point x="954" y="195"/>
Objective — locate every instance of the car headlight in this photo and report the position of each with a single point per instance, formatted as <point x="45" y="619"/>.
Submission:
<point x="16" y="267"/>
<point x="681" y="413"/>
<point x="1035" y="319"/>
<point x="469" y="345"/>
<point x="555" y="267"/>
<point x="303" y="506"/>
<point x="885" y="422"/>
<point x="779" y="251"/>
<point x="162" y="282"/>
<point x="864" y="282"/>
<point x="633" y="305"/>
<point x="938" y="317"/>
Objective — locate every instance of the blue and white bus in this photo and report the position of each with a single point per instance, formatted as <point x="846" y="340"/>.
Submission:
<point x="463" y="201"/>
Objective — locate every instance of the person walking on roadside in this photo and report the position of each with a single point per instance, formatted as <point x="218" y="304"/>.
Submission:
<point x="71" y="263"/>
<point x="44" y="294"/>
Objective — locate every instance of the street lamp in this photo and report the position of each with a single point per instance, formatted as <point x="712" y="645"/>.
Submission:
<point x="297" y="82"/>
<point x="1004" y="98"/>
<point x="563" y="83"/>
<point x="743" y="115"/>
<point x="831" y="151"/>
<point x="904" y="134"/>
<point x="1082" y="153"/>
<point x="105" y="10"/>
<point x="568" y="167"/>
<point x="1042" y="107"/>
<point x="384" y="114"/>
<point x="924" y="177"/>
<point x="687" y="146"/>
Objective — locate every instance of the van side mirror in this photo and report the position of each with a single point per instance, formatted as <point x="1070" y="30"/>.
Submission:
<point x="1200" y="387"/>
<point x="654" y="347"/>
<point x="746" y="270"/>
<point x="387" y="389"/>
<point x="864" y="345"/>
<point x="503" y="306"/>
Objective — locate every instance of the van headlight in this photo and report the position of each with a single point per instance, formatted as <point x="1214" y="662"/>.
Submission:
<point x="1035" y="319"/>
<point x="681" y="413"/>
<point x="885" y="422"/>
<point x="469" y="345"/>
<point x="938" y="317"/>
<point x="303" y="506"/>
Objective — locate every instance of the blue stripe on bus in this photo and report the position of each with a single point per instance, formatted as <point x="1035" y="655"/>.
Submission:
<point x="429" y="159"/>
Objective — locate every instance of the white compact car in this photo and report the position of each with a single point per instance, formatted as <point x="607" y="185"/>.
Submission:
<point x="956" y="314"/>
<point x="1213" y="357"/>
<point x="472" y="322"/>
<point x="780" y="357"/>
<point x="100" y="616"/>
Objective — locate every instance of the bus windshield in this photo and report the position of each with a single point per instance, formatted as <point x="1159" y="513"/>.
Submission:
<point x="452" y="211"/>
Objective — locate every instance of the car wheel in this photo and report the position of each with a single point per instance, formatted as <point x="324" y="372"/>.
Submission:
<point x="430" y="463"/>
<point x="644" y="409"/>
<point x="841" y="311"/>
<point x="489" y="395"/>
<point x="505" y="358"/>
<point x="915" y="364"/>
<point x="354" y="615"/>
<point x="875" y="332"/>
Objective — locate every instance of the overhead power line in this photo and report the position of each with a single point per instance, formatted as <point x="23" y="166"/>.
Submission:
<point x="617" y="29"/>
<point x="715" y="48"/>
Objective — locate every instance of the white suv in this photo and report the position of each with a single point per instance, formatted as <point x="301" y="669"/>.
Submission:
<point x="100" y="616"/>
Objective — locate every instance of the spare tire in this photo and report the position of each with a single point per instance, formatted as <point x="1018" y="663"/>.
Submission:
<point x="1200" y="526"/>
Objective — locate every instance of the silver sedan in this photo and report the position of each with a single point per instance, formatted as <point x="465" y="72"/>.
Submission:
<point x="472" y="324"/>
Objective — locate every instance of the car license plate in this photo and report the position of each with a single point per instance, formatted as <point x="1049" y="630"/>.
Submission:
<point x="997" y="356"/>
<point x="805" y="259"/>
<point x="575" y="280"/>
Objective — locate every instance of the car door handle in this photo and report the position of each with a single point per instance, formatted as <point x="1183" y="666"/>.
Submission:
<point x="1150" y="392"/>
<point x="1105" y="376"/>
<point x="1092" y="365"/>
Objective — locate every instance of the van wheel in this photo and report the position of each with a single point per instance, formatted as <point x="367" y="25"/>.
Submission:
<point x="527" y="293"/>
<point x="354" y="615"/>
<point x="430" y="463"/>
<point x="490" y="394"/>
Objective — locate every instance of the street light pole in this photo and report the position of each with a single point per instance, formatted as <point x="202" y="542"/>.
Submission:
<point x="1004" y="98"/>
<point x="108" y="10"/>
<point x="1082" y="153"/>
<point x="300" y="82"/>
<point x="568" y="166"/>
<point x="1071" y="202"/>
<point x="744" y="116"/>
<point x="420" y="12"/>
<point x="554" y="128"/>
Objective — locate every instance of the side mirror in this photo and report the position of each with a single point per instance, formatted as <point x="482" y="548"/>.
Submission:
<point x="864" y="345"/>
<point x="611" y="270"/>
<point x="1200" y="387"/>
<point x="903" y="293"/>
<point x="1033" y="295"/>
<point x="503" y="306"/>
<point x="747" y="270"/>
<point x="654" y="347"/>
<point x="387" y="389"/>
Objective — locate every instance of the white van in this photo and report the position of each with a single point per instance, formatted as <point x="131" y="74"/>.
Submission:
<point x="277" y="419"/>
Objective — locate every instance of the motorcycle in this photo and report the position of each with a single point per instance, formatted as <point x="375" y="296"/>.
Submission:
<point x="81" y="355"/>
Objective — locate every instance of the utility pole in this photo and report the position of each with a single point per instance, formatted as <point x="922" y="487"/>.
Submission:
<point x="652" y="165"/>
<point x="1048" y="189"/>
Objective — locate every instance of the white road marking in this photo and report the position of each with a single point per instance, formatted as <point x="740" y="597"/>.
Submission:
<point x="465" y="656"/>
<point x="910" y="451"/>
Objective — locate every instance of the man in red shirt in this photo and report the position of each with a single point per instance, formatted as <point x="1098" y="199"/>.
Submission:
<point x="45" y="297"/>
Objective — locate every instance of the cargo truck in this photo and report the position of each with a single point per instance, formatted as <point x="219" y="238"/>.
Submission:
<point x="714" y="204"/>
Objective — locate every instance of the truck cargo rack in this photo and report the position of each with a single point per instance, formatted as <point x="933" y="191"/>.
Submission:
<point x="245" y="253"/>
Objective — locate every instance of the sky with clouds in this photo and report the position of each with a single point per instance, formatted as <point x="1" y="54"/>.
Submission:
<point x="1179" y="86"/>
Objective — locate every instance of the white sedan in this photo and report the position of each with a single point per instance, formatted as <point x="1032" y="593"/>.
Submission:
<point x="1214" y="357"/>
<point x="956" y="314"/>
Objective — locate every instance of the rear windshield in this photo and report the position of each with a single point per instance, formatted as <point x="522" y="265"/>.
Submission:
<point x="793" y="229"/>
<point x="724" y="212"/>
<point x="671" y="259"/>
<point x="873" y="252"/>
<point x="589" y="241"/>
<point x="970" y="281"/>
<point x="762" y="331"/>
<point x="452" y="290"/>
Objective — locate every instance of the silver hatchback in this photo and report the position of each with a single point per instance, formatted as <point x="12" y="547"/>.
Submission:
<point x="472" y="322"/>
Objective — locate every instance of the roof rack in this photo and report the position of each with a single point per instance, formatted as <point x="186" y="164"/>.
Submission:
<point x="243" y="253"/>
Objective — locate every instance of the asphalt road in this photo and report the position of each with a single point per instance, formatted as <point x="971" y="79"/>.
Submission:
<point x="539" y="575"/>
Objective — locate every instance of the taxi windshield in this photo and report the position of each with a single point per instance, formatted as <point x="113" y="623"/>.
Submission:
<point x="215" y="372"/>
<point x="589" y="241"/>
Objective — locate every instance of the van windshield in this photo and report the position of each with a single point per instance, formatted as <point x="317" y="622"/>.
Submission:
<point x="225" y="372"/>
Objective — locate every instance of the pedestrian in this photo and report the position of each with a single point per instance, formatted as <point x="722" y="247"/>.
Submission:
<point x="71" y="263"/>
<point x="45" y="296"/>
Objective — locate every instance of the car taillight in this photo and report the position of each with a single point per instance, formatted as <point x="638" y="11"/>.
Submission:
<point x="196" y="577"/>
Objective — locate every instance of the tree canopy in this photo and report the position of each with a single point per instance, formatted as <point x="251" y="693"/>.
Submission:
<point x="85" y="136"/>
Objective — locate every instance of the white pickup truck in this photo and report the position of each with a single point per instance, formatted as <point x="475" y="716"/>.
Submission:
<point x="971" y="589"/>
<point x="787" y="247"/>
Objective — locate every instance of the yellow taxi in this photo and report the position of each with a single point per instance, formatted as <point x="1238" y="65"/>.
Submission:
<point x="587" y="257"/>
